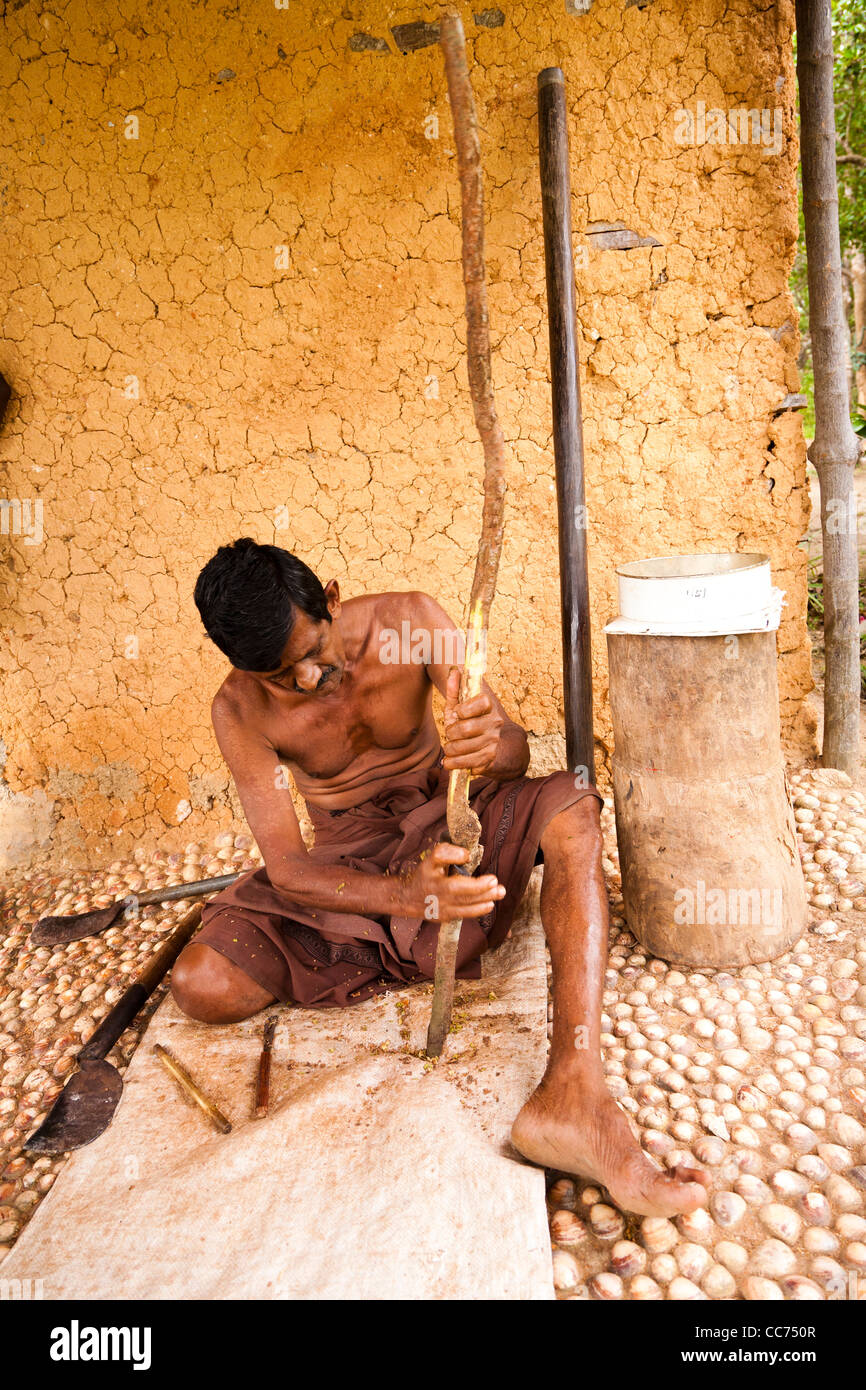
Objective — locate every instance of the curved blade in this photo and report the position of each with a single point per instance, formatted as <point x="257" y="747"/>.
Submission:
<point x="57" y="931"/>
<point x="83" y="1110"/>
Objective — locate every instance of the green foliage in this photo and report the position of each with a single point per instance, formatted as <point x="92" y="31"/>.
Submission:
<point x="815" y="611"/>
<point x="815" y="587"/>
<point x="807" y="386"/>
<point x="849" y="81"/>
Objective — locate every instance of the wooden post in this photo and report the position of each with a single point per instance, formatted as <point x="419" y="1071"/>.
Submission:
<point x="567" y="424"/>
<point x="464" y="827"/>
<point x="835" y="449"/>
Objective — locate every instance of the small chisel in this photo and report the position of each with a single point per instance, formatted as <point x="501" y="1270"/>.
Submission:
<point x="263" y="1084"/>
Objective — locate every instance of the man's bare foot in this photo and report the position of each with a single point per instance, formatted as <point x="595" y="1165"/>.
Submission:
<point x="573" y="1130"/>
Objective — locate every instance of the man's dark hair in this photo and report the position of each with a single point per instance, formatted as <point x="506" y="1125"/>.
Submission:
<point x="247" y="595"/>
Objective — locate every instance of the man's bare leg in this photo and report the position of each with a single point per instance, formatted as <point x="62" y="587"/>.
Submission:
<point x="571" y="1123"/>
<point x="209" y="987"/>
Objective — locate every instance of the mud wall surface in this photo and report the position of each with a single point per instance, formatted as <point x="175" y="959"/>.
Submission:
<point x="230" y="256"/>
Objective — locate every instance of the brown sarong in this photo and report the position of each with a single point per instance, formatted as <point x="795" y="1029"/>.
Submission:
<point x="327" y="959"/>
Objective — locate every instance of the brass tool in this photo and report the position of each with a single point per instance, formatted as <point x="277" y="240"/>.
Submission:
<point x="263" y="1082"/>
<point x="185" y="1081"/>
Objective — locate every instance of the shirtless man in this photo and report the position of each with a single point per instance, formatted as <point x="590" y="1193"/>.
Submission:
<point x="311" y="686"/>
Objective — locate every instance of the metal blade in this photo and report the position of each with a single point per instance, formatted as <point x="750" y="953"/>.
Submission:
<point x="83" y="1110"/>
<point x="270" y="1030"/>
<point x="57" y="931"/>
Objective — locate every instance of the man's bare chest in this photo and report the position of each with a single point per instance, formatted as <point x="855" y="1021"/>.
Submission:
<point x="372" y="720"/>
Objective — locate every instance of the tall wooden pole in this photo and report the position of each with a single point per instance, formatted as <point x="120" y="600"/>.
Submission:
<point x="567" y="424"/>
<point x="834" y="450"/>
<point x="464" y="827"/>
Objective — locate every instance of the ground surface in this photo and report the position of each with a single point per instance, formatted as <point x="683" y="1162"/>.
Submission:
<point x="51" y="1000"/>
<point x="758" y="1073"/>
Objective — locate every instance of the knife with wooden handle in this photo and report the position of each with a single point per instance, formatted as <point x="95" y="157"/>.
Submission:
<point x="263" y="1083"/>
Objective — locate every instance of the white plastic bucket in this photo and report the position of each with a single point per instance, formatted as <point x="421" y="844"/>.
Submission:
<point x="694" y="595"/>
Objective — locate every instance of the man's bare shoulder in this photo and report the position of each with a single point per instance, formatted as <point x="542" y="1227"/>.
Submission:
<point x="410" y="621"/>
<point x="398" y="604"/>
<point x="238" y="699"/>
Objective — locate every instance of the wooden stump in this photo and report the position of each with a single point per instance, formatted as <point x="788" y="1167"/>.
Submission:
<point x="710" y="869"/>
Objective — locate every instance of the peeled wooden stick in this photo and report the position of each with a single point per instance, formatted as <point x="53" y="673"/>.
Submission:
<point x="464" y="827"/>
<point x="186" y="1083"/>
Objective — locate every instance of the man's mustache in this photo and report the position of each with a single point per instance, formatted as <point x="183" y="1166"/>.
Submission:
<point x="327" y="674"/>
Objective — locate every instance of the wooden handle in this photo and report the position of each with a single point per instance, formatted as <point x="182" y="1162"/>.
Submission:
<point x="263" y="1082"/>
<point x="100" y="1043"/>
<point x="263" y="1085"/>
<point x="165" y="958"/>
<point x="184" y="890"/>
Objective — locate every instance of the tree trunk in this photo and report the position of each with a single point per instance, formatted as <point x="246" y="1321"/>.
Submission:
<point x="834" y="450"/>
<point x="858" y="278"/>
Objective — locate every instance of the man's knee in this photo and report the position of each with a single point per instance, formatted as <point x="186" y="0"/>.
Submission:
<point x="208" y="987"/>
<point x="579" y="823"/>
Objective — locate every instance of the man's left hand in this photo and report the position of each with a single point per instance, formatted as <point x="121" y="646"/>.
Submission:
<point x="472" y="729"/>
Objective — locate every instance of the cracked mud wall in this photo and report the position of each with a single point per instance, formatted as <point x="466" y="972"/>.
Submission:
<point x="231" y="251"/>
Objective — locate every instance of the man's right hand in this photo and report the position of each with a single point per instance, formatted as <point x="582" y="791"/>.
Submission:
<point x="433" y="892"/>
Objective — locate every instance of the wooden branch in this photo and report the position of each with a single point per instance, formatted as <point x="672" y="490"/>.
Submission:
<point x="464" y="827"/>
<point x="835" y="448"/>
<point x="848" y="156"/>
